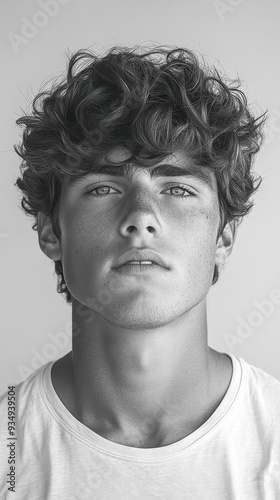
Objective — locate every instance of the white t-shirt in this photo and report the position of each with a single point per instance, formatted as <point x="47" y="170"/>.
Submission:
<point x="235" y="454"/>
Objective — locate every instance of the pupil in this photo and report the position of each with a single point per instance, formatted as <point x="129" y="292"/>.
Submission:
<point x="176" y="190"/>
<point x="103" y="190"/>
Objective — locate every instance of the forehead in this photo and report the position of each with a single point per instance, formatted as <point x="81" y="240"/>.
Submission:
<point x="177" y="164"/>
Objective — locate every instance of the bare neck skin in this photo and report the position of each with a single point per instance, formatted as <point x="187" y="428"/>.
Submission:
<point x="144" y="388"/>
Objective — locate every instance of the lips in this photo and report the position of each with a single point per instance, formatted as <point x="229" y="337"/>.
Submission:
<point x="141" y="257"/>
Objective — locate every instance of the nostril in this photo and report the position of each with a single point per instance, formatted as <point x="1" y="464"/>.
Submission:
<point x="130" y="229"/>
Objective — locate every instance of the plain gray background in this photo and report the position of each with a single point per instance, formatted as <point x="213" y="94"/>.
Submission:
<point x="240" y="35"/>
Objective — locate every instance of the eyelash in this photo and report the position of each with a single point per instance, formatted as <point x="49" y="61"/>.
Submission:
<point x="181" y="186"/>
<point x="190" y="193"/>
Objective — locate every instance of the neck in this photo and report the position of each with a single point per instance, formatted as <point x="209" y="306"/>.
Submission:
<point x="144" y="387"/>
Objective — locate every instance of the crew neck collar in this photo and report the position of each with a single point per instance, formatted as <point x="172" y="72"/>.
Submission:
<point x="65" y="419"/>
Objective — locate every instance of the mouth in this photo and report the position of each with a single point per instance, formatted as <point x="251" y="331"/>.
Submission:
<point x="140" y="263"/>
<point x="145" y="258"/>
<point x="140" y="267"/>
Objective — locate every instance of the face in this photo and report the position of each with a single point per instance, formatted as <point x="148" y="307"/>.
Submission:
<point x="103" y="216"/>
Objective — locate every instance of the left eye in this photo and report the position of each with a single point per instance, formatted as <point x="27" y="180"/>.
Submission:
<point x="102" y="190"/>
<point x="179" y="191"/>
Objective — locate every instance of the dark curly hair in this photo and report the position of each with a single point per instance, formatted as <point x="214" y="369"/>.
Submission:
<point x="153" y="103"/>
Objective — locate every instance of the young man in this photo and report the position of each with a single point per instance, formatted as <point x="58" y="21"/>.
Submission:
<point x="137" y="169"/>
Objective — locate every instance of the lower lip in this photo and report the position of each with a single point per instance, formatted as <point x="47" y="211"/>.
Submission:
<point x="140" y="269"/>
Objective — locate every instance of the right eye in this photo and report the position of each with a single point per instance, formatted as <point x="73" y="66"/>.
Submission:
<point x="102" y="190"/>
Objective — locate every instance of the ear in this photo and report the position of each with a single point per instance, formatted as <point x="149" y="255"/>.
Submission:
<point x="49" y="243"/>
<point x="225" y="243"/>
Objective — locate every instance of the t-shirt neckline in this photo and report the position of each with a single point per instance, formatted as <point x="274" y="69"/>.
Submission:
<point x="65" y="419"/>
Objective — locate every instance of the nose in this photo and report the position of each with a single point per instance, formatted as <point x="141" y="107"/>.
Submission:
<point x="141" y="219"/>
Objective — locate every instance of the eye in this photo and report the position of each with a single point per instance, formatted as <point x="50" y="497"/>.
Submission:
<point x="102" y="190"/>
<point x="180" y="191"/>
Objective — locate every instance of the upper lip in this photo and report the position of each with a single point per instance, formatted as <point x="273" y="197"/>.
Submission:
<point x="140" y="255"/>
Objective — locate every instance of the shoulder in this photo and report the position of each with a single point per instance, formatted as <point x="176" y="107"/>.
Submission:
<point x="26" y="392"/>
<point x="23" y="414"/>
<point x="262" y="389"/>
<point x="260" y="378"/>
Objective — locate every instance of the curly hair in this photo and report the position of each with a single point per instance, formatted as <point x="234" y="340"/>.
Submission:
<point x="153" y="103"/>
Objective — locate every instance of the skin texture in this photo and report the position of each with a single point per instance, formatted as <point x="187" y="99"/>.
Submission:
<point x="140" y="372"/>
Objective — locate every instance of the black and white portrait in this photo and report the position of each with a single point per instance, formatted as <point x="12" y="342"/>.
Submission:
<point x="139" y="244"/>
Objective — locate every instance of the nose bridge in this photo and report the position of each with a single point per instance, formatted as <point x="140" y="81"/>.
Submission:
<point x="141" y="198"/>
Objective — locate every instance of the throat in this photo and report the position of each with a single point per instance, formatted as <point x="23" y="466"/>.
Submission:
<point x="147" y="425"/>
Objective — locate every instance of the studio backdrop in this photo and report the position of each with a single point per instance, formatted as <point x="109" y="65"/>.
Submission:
<point x="242" y="38"/>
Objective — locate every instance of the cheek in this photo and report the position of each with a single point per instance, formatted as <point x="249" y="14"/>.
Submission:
<point x="84" y="229"/>
<point x="196" y="236"/>
<point x="196" y="227"/>
<point x="83" y="243"/>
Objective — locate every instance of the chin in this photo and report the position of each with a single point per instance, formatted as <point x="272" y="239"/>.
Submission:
<point x="141" y="317"/>
<point x="135" y="322"/>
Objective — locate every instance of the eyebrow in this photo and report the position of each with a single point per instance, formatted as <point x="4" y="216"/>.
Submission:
<point x="163" y="170"/>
